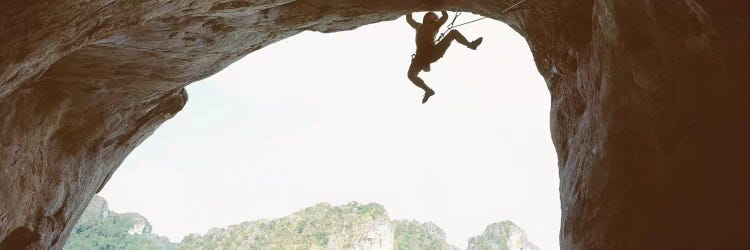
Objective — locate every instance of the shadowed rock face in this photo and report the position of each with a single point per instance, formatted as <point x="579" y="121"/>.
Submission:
<point x="650" y="102"/>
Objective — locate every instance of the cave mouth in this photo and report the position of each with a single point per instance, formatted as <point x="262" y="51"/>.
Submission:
<point x="334" y="69"/>
<point x="105" y="84"/>
<point x="635" y="124"/>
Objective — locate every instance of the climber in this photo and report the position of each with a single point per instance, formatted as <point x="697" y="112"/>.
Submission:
<point x="428" y="51"/>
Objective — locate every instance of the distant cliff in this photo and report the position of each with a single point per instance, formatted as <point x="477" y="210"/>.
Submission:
<point x="501" y="236"/>
<point x="352" y="226"/>
<point x="100" y="228"/>
<point x="413" y="234"/>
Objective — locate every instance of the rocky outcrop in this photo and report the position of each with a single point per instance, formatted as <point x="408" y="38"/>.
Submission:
<point x="101" y="228"/>
<point x="650" y="107"/>
<point x="379" y="237"/>
<point x="352" y="226"/>
<point x="140" y="224"/>
<point x="501" y="236"/>
<point x="412" y="234"/>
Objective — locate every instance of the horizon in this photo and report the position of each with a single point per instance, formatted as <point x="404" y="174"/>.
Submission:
<point x="302" y="210"/>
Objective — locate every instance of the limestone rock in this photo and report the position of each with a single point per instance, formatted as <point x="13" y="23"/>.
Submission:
<point x="412" y="234"/>
<point x="501" y="236"/>
<point x="101" y="228"/>
<point x="650" y="102"/>
<point x="352" y="226"/>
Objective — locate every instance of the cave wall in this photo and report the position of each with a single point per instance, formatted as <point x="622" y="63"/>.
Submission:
<point x="650" y="103"/>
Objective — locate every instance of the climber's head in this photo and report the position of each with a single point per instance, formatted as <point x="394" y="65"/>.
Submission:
<point x="430" y="17"/>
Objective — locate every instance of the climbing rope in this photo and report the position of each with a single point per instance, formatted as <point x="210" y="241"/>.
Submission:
<point x="451" y="26"/>
<point x="455" y="17"/>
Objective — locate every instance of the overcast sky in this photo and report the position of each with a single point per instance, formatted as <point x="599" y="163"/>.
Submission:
<point x="333" y="118"/>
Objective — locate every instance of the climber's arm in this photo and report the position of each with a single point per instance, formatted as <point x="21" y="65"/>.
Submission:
<point x="412" y="23"/>
<point x="443" y="18"/>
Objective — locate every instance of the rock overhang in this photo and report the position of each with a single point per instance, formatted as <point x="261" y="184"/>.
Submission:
<point x="645" y="96"/>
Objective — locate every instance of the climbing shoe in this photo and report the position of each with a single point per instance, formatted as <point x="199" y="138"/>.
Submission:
<point x="427" y="95"/>
<point x="473" y="45"/>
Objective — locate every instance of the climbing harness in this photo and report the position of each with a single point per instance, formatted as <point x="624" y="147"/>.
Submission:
<point x="451" y="26"/>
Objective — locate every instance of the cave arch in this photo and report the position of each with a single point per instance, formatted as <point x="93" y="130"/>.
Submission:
<point x="646" y="96"/>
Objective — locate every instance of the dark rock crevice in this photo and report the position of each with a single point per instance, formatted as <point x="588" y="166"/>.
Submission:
<point x="20" y="238"/>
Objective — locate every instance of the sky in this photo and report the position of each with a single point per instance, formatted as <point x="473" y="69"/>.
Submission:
<point x="332" y="118"/>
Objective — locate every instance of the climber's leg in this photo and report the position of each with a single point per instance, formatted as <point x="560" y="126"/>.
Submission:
<point x="414" y="68"/>
<point x="453" y="35"/>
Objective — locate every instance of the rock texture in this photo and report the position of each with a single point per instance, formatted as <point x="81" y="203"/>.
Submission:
<point x="650" y="102"/>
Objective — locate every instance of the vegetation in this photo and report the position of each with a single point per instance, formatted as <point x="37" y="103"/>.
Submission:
<point x="100" y="228"/>
<point x="413" y="235"/>
<point x="319" y="227"/>
<point x="351" y="226"/>
<point x="501" y="236"/>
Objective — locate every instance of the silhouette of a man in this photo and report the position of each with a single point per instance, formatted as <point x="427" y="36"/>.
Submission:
<point x="427" y="51"/>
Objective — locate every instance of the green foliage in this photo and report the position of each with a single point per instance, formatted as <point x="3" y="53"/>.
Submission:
<point x="316" y="227"/>
<point x="322" y="238"/>
<point x="102" y="229"/>
<point x="111" y="233"/>
<point x="495" y="237"/>
<point x="413" y="235"/>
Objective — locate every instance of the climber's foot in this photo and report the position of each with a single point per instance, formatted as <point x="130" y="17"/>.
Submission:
<point x="473" y="45"/>
<point x="427" y="95"/>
